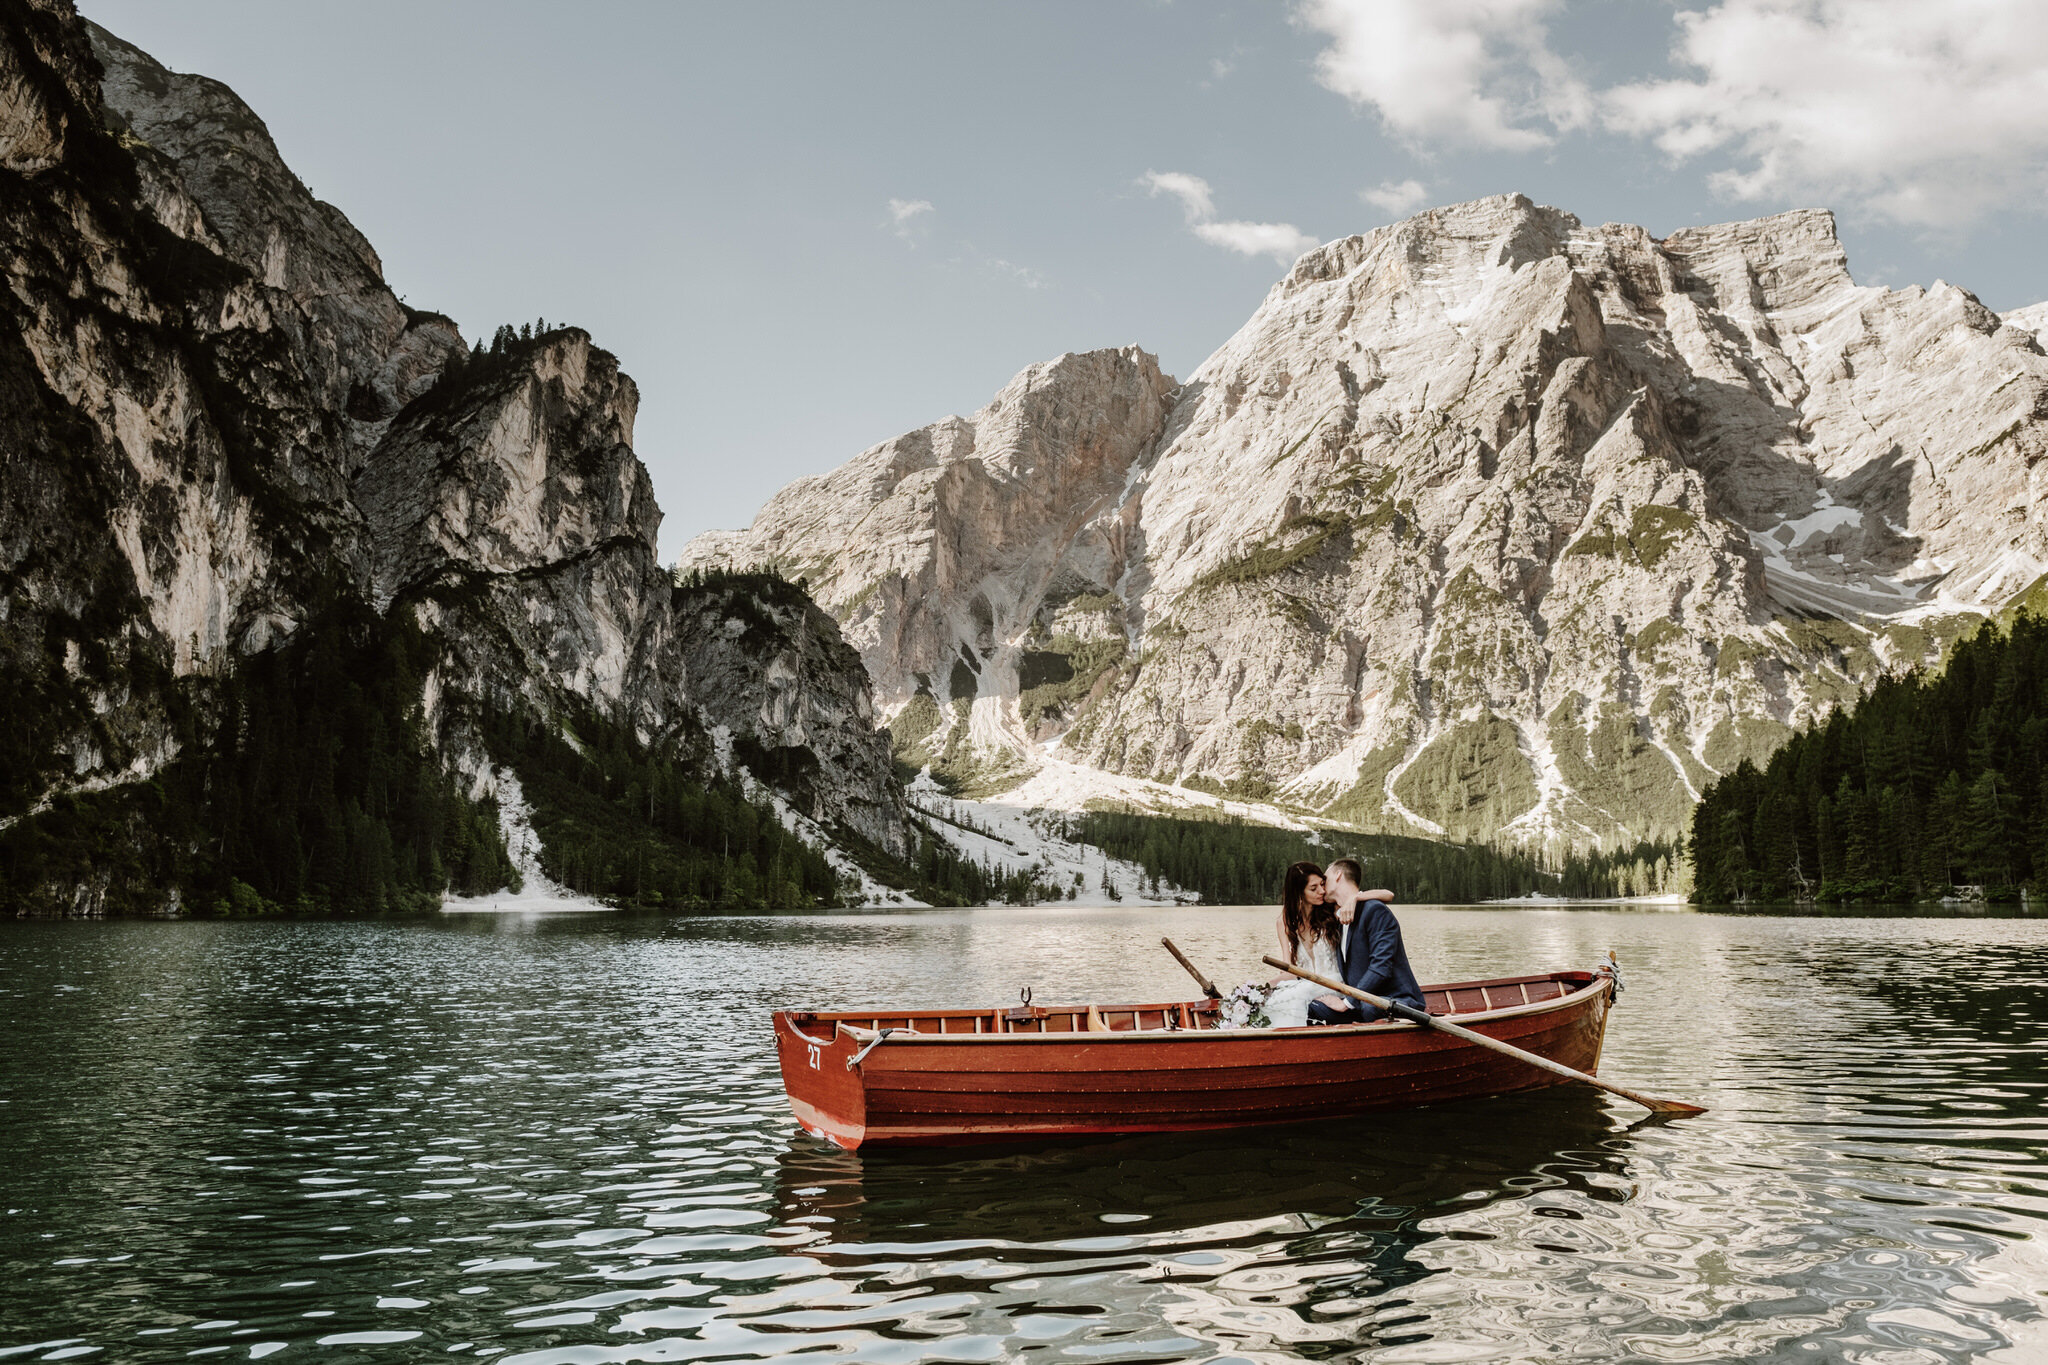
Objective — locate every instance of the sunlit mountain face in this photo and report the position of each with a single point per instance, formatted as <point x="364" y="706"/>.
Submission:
<point x="1490" y="524"/>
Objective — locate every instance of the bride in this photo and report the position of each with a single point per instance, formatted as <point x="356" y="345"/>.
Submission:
<point x="1309" y="932"/>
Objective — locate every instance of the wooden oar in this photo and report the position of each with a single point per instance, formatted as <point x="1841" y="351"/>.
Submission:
<point x="1208" y="986"/>
<point x="1395" y="1007"/>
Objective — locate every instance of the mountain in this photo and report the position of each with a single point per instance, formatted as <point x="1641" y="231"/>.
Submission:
<point x="294" y="587"/>
<point x="1490" y="524"/>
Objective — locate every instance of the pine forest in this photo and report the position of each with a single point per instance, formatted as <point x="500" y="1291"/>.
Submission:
<point x="1935" y="781"/>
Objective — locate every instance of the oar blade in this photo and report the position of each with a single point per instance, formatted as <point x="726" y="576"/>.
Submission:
<point x="1668" y="1108"/>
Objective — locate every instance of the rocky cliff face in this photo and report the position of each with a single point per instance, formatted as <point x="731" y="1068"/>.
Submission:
<point x="948" y="552"/>
<point x="218" y="422"/>
<point x="1487" y="524"/>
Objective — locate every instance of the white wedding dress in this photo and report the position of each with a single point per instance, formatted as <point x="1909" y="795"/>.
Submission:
<point x="1287" y="1006"/>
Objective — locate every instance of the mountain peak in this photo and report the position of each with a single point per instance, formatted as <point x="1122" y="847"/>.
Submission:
<point x="283" y="548"/>
<point x="1487" y="524"/>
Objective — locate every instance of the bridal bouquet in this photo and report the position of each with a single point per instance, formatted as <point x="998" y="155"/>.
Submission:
<point x="1245" y="1007"/>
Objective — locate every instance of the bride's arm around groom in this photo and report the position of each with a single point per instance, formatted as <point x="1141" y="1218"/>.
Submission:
<point x="1375" y="958"/>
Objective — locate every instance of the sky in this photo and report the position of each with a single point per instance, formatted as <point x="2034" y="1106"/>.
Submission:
<point x="805" y="228"/>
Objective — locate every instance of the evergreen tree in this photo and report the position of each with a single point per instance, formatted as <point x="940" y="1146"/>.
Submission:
<point x="1937" y="778"/>
<point x="319" y="792"/>
<point x="1231" y="862"/>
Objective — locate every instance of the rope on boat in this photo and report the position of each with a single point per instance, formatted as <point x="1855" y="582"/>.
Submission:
<point x="875" y="1042"/>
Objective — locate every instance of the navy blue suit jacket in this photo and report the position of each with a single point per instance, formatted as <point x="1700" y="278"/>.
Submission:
<point x="1375" y="959"/>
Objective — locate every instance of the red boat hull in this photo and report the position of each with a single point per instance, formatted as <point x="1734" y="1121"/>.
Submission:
<point x="995" y="1076"/>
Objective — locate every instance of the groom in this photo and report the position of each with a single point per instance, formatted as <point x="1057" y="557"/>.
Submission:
<point x="1374" y="958"/>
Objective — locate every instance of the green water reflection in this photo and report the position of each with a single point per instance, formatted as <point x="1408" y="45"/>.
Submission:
<point x="563" y="1140"/>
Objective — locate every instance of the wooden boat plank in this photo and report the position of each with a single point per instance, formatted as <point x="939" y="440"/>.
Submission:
<point x="1054" y="1111"/>
<point x="1222" y="1065"/>
<point x="1211" y="1082"/>
<point x="1063" y="1038"/>
<point x="1264" y="1103"/>
<point x="1262" y="1086"/>
<point x="871" y="1019"/>
<point x="1226" y="1053"/>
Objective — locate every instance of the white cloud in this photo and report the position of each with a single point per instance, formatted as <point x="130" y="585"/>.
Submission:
<point x="1474" y="72"/>
<point x="1282" y="241"/>
<point x="967" y="259"/>
<point x="910" y="220"/>
<point x="1396" y="200"/>
<point x="1928" y="114"/>
<point x="1015" y="274"/>
<point x="904" y="215"/>
<point x="1191" y="190"/>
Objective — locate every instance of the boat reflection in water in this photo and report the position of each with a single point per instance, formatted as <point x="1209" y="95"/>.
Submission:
<point x="1257" y="1240"/>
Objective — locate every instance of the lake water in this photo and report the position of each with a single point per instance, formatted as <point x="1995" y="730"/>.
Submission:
<point x="564" y="1140"/>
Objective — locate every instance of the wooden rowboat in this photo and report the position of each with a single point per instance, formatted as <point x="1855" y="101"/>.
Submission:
<point x="923" y="1078"/>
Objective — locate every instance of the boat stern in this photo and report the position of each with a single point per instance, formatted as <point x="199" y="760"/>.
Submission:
<point x="826" y="1095"/>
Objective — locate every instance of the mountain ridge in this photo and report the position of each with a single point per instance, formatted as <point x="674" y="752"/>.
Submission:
<point x="1549" y="523"/>
<point x="233" y="453"/>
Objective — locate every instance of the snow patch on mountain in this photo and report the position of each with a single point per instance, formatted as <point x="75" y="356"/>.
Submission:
<point x="1013" y="836"/>
<point x="537" y="891"/>
<point x="1488" y="524"/>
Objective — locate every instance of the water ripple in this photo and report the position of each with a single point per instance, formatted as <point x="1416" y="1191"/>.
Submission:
<point x="550" y="1142"/>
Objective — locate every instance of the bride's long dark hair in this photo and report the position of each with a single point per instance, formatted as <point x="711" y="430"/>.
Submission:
<point x="1300" y="921"/>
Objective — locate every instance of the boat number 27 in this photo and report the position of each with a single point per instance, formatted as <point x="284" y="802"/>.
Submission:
<point x="814" y="1055"/>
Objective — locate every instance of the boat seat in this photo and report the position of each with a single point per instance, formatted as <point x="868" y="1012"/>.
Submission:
<point x="1474" y="999"/>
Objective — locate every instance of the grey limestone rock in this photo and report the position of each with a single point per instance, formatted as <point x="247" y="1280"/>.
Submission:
<point x="1488" y="524"/>
<point x="215" y="417"/>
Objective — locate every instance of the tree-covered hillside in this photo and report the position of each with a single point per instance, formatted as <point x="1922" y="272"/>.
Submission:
<point x="1934" y="781"/>
<point x="1230" y="862"/>
<point x="308" y="783"/>
<point x="305" y="784"/>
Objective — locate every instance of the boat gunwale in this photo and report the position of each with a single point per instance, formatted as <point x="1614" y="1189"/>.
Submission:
<point x="902" y="1037"/>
